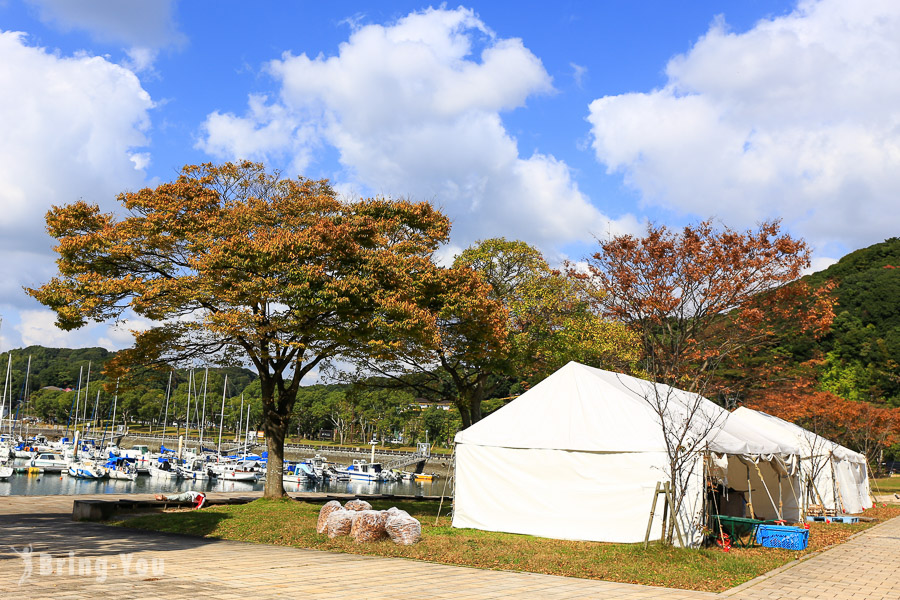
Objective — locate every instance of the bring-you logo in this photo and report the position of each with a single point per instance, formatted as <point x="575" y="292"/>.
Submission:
<point x="42" y="564"/>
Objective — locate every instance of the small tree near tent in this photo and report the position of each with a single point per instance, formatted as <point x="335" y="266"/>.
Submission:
<point x="552" y="316"/>
<point x="235" y="264"/>
<point x="695" y="298"/>
<point x="454" y="351"/>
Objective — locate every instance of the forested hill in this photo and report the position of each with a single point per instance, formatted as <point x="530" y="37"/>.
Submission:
<point x="863" y="349"/>
<point x="60" y="367"/>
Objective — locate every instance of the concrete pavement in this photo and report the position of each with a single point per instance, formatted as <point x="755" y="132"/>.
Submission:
<point x="78" y="560"/>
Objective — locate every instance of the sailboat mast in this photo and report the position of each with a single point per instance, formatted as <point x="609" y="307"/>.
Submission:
<point x="203" y="414"/>
<point x="222" y="417"/>
<point x="247" y="434"/>
<point x="87" y="389"/>
<point x="240" y="425"/>
<point x="187" y="416"/>
<point x="25" y="392"/>
<point x="112" y="429"/>
<point x="166" y="417"/>
<point x="77" y="402"/>
<point x="5" y="385"/>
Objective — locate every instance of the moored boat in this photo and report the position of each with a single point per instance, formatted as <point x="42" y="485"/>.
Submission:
<point x="86" y="469"/>
<point x="121" y="469"/>
<point x="49" y="462"/>
<point x="241" y="470"/>
<point x="163" y="469"/>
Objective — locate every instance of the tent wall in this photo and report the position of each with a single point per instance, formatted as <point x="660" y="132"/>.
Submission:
<point x="831" y="474"/>
<point x="565" y="494"/>
<point x="743" y="477"/>
<point x="852" y="486"/>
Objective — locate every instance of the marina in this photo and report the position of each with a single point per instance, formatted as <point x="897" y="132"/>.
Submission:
<point x="49" y="484"/>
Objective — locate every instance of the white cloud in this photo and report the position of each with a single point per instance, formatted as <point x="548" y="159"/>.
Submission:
<point x="798" y="117"/>
<point x="413" y="109"/>
<point x="819" y="263"/>
<point x="120" y="335"/>
<point x="578" y="73"/>
<point x="144" y="27"/>
<point x="70" y="125"/>
<point x="137" y="23"/>
<point x="38" y="327"/>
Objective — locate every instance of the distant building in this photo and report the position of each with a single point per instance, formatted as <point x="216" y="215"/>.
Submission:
<point x="425" y="404"/>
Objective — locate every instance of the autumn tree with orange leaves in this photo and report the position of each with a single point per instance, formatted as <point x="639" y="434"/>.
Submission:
<point x="234" y="264"/>
<point x="701" y="295"/>
<point x="695" y="298"/>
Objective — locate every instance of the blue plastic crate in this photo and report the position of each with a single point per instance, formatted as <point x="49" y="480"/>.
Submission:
<point x="780" y="536"/>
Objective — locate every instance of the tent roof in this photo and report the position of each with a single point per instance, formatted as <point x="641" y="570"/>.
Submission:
<point x="587" y="409"/>
<point x="808" y="442"/>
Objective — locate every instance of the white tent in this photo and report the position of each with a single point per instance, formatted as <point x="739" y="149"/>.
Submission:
<point x="832" y="475"/>
<point x="579" y="456"/>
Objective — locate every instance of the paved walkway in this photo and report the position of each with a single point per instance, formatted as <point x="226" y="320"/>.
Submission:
<point x="81" y="560"/>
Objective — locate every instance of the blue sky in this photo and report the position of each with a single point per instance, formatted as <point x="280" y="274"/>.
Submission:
<point x="548" y="122"/>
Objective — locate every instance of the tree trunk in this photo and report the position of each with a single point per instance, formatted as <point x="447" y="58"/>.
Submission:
<point x="463" y="408"/>
<point x="275" y="470"/>
<point x="275" y="426"/>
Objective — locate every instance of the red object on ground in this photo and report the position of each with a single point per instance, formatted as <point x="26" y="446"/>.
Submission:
<point x="199" y="500"/>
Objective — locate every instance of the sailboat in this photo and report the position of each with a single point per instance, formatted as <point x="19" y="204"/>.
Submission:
<point x="84" y="468"/>
<point x="121" y="469"/>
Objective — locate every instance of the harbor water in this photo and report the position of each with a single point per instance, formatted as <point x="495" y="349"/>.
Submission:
<point x="51" y="484"/>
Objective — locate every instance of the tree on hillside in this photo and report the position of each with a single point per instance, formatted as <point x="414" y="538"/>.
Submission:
<point x="233" y="263"/>
<point x="695" y="298"/>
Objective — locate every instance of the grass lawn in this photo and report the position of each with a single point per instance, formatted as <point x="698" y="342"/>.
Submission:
<point x="886" y="485"/>
<point x="292" y="523"/>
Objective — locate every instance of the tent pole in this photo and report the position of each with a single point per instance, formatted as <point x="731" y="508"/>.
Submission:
<point x="768" y="493"/>
<point x="652" y="511"/>
<point x="444" y="491"/>
<point x="780" y="499"/>
<point x="749" y="492"/>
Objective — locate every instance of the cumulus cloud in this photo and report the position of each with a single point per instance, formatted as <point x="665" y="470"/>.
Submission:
<point x="121" y="334"/>
<point x="37" y="327"/>
<point x="143" y="26"/>
<point x="414" y="109"/>
<point x="71" y="127"/>
<point x="799" y="118"/>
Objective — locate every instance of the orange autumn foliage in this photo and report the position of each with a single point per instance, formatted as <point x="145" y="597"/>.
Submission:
<point x="703" y="295"/>
<point x="234" y="264"/>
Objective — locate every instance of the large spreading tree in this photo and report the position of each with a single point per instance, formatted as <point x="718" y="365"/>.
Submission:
<point x="235" y="264"/>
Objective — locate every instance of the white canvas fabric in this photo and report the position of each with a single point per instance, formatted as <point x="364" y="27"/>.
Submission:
<point x="579" y="455"/>
<point x="832" y="475"/>
<point x="583" y="408"/>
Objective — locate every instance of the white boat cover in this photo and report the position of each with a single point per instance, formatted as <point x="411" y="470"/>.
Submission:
<point x="839" y="475"/>
<point x="579" y="455"/>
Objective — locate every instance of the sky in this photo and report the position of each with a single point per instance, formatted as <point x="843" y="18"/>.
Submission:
<point x="554" y="123"/>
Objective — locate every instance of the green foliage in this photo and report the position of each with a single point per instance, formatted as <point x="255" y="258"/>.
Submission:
<point x="864" y="344"/>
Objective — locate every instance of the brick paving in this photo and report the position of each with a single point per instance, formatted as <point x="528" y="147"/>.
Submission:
<point x="122" y="563"/>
